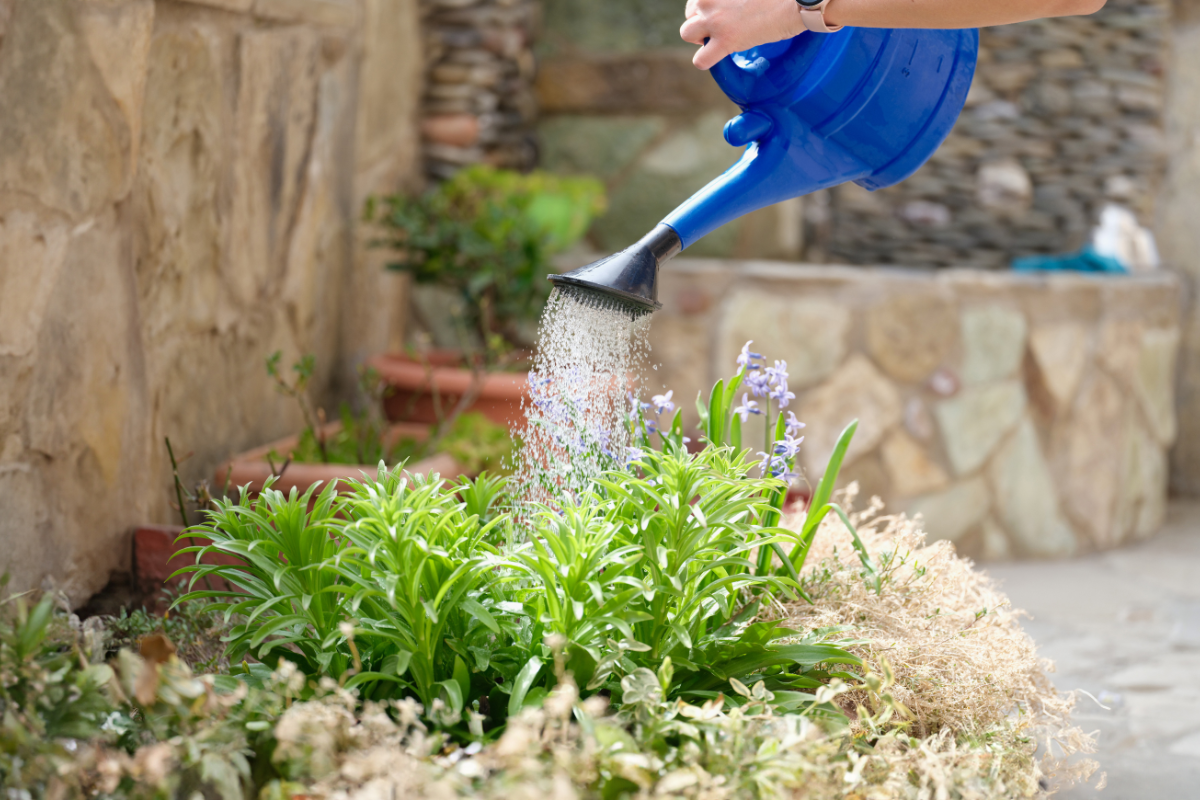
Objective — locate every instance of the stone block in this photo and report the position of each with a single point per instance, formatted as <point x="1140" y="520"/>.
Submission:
<point x="66" y="141"/>
<point x="1060" y="351"/>
<point x="460" y="130"/>
<point x="1025" y="497"/>
<point x="910" y="467"/>
<point x="856" y="391"/>
<point x="227" y="5"/>
<point x="389" y="87"/>
<point x="1142" y="491"/>
<point x="973" y="422"/>
<point x="645" y="83"/>
<point x="680" y="163"/>
<point x="808" y="333"/>
<point x="1087" y="464"/>
<point x="276" y="105"/>
<point x="993" y="340"/>
<point x="952" y="513"/>
<point x="596" y="145"/>
<point x="1155" y="384"/>
<point x="910" y="335"/>
<point x="31" y="257"/>
<point x="319" y="12"/>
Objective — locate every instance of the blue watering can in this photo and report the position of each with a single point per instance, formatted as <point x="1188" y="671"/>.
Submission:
<point x="868" y="105"/>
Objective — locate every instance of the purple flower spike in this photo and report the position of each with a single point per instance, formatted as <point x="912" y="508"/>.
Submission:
<point x="662" y="403"/>
<point x="747" y="408"/>
<point x="747" y="358"/>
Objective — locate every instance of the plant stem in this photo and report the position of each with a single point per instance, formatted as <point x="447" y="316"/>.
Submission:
<point x="178" y="483"/>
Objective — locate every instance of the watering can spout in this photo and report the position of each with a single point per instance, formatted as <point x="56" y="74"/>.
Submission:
<point x="866" y="105"/>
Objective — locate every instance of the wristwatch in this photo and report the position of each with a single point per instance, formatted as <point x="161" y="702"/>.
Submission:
<point x="812" y="14"/>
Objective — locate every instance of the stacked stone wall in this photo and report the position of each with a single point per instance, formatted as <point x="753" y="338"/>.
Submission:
<point x="479" y="105"/>
<point x="1064" y="115"/>
<point x="179" y="185"/>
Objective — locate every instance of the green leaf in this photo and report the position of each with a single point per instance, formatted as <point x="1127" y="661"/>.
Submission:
<point x="716" y="414"/>
<point x="462" y="676"/>
<point x="397" y="663"/>
<point x="818" y="505"/>
<point x="476" y="610"/>
<point x="522" y="684"/>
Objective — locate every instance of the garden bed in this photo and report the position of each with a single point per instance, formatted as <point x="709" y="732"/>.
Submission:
<point x="672" y="631"/>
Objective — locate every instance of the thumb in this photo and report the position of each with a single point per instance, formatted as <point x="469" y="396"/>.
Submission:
<point x="708" y="55"/>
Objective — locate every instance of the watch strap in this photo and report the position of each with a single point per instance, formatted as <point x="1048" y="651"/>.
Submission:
<point x="814" y="19"/>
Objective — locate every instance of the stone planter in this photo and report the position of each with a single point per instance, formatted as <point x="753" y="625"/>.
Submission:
<point x="253" y="467"/>
<point x="1022" y="415"/>
<point x="411" y="384"/>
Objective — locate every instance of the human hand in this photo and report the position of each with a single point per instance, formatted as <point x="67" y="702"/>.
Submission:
<point x="734" y="25"/>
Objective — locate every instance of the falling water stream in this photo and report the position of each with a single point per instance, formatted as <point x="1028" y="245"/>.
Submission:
<point x="590" y="350"/>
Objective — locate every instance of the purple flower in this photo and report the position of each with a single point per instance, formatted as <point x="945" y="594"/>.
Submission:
<point x="758" y="383"/>
<point x="634" y="454"/>
<point x="776" y="467"/>
<point x="662" y="403"/>
<point x="747" y="408"/>
<point x="782" y="395"/>
<point x="788" y="447"/>
<point x="747" y="358"/>
<point x="778" y="374"/>
<point x="794" y="426"/>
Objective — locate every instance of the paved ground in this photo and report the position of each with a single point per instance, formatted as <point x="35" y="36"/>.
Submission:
<point x="1125" y="626"/>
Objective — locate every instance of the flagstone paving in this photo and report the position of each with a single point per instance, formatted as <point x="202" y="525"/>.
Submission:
<point x="1124" y="626"/>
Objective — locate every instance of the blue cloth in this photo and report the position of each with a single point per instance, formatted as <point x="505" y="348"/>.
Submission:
<point x="1086" y="260"/>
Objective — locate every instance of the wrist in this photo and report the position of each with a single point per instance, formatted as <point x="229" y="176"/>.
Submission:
<point x="814" y="16"/>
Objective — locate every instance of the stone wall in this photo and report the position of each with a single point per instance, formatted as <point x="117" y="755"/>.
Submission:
<point x="479" y="104"/>
<point x="179" y="183"/>
<point x="1024" y="416"/>
<point x="1063" y="116"/>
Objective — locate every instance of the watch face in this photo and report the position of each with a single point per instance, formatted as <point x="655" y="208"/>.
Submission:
<point x="810" y="3"/>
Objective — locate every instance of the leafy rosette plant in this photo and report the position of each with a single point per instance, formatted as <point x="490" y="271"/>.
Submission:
<point x="657" y="566"/>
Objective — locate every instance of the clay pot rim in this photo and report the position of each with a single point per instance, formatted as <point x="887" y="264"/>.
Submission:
<point x="402" y="371"/>
<point x="251" y="467"/>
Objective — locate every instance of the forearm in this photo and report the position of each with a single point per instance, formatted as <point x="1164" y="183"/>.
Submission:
<point x="950" y="13"/>
<point x="721" y="27"/>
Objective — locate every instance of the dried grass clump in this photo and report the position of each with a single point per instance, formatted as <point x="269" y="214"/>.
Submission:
<point x="964" y="667"/>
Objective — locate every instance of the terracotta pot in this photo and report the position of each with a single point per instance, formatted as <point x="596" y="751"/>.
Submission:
<point x="156" y="555"/>
<point x="253" y="468"/>
<point x="410" y="398"/>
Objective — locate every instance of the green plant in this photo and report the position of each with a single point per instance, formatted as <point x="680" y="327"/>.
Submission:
<point x="721" y="425"/>
<point x="656" y="568"/>
<point x="285" y="601"/>
<point x="487" y="235"/>
<point x="50" y="696"/>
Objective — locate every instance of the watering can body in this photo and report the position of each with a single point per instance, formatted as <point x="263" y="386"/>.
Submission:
<point x="868" y="105"/>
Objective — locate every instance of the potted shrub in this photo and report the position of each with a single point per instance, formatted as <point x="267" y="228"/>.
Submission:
<point x="487" y="235"/>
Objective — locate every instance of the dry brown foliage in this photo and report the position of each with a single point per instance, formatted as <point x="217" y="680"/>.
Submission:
<point x="964" y="666"/>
